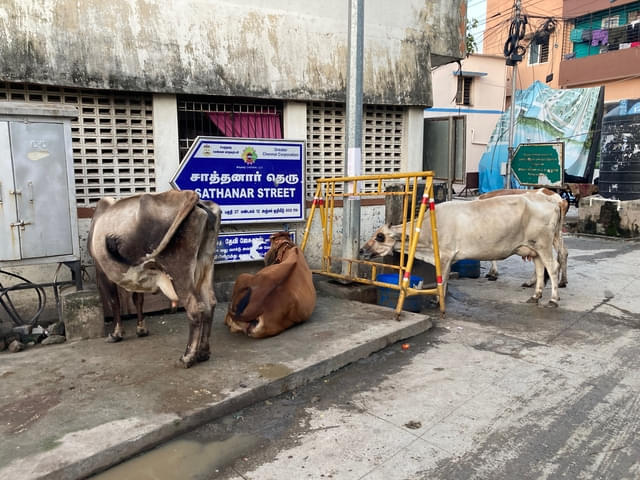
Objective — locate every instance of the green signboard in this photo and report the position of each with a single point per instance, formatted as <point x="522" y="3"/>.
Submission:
<point x="539" y="164"/>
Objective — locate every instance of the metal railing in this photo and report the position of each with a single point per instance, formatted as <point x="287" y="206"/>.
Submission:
<point x="324" y="203"/>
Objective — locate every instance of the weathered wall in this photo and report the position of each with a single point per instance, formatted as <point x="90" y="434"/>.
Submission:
<point x="262" y="48"/>
<point x="603" y="216"/>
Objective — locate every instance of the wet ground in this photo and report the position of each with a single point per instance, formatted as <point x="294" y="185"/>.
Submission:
<point x="69" y="410"/>
<point x="498" y="389"/>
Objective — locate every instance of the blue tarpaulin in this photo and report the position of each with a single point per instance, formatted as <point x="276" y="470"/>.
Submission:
<point x="542" y="114"/>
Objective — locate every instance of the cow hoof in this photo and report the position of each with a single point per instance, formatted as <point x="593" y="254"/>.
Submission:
<point x="114" y="338"/>
<point x="527" y="284"/>
<point x="532" y="300"/>
<point x="562" y="284"/>
<point x="552" y="304"/>
<point x="186" y="361"/>
<point x="491" y="278"/>
<point x="142" y="332"/>
<point x="202" y="356"/>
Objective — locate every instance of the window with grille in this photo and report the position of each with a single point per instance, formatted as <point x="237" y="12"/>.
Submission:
<point x="112" y="138"/>
<point x="611" y="21"/>
<point x="539" y="50"/>
<point x="194" y="117"/>
<point x="463" y="92"/>
<point x="326" y="140"/>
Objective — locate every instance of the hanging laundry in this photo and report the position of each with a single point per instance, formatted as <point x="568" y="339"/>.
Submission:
<point x="617" y="35"/>
<point x="576" y="35"/>
<point x="599" y="37"/>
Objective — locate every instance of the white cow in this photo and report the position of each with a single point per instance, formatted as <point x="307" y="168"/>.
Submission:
<point x="524" y="225"/>
<point x="558" y="243"/>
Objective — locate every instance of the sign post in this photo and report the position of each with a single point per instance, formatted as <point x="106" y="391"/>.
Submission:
<point x="254" y="181"/>
<point x="539" y="164"/>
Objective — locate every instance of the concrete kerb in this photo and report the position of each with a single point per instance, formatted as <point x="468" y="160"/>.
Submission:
<point x="82" y="453"/>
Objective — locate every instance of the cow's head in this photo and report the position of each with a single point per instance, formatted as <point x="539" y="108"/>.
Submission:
<point x="381" y="243"/>
<point x="280" y="242"/>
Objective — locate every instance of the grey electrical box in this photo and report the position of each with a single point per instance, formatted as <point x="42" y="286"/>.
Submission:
<point x="38" y="213"/>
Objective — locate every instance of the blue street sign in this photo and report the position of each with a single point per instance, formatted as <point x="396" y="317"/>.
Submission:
<point x="244" y="246"/>
<point x="252" y="180"/>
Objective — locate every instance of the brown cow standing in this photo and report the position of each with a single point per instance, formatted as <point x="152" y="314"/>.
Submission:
<point x="277" y="297"/>
<point x="152" y="242"/>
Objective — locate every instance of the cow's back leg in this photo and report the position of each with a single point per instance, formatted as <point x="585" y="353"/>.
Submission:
<point x="543" y="261"/>
<point x="110" y="296"/>
<point x="532" y="281"/>
<point x="492" y="274"/>
<point x="141" y="326"/>
<point x="200" y="316"/>
<point x="209" y="299"/>
<point x="200" y="305"/>
<point x="563" y="255"/>
<point x="539" y="280"/>
<point x="552" y="266"/>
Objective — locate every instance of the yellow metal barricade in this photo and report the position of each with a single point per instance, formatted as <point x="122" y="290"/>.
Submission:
<point x="324" y="203"/>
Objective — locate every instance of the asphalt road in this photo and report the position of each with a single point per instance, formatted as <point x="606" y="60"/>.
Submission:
<point x="507" y="390"/>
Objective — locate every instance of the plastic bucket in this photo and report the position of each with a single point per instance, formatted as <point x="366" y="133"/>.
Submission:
<point x="388" y="297"/>
<point x="467" y="268"/>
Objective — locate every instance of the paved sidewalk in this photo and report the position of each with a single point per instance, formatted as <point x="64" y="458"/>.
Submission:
<point x="67" y="411"/>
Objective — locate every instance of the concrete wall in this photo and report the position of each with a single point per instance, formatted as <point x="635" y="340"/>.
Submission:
<point x="602" y="216"/>
<point x="412" y="141"/>
<point x="165" y="139"/>
<point x="487" y="101"/>
<point x="259" y="48"/>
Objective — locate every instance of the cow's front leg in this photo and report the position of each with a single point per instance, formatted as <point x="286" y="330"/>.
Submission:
<point x="118" y="329"/>
<point x="539" y="280"/>
<point x="141" y="327"/>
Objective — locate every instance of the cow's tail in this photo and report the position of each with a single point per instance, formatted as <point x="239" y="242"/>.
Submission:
<point x="243" y="302"/>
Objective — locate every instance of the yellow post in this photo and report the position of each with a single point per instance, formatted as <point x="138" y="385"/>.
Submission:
<point x="436" y="248"/>
<point x="307" y="228"/>
<point x="415" y="235"/>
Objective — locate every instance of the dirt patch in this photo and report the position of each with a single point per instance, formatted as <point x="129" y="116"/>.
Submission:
<point x="18" y="415"/>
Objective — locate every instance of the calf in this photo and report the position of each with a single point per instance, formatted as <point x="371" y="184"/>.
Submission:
<point x="277" y="297"/>
<point x="158" y="242"/>
<point x="558" y="242"/>
<point x="488" y="230"/>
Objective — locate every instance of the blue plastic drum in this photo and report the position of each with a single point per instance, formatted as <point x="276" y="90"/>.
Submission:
<point x="388" y="297"/>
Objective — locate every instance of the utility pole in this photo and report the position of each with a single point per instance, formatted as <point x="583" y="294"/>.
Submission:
<point x="513" y="51"/>
<point x="351" y="204"/>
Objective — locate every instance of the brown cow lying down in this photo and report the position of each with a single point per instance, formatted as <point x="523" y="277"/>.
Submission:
<point x="277" y="297"/>
<point x="558" y="243"/>
<point x="158" y="242"/>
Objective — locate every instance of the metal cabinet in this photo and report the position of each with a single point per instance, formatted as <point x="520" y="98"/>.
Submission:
<point x="38" y="219"/>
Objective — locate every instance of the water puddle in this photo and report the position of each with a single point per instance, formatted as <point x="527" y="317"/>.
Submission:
<point x="273" y="371"/>
<point x="183" y="459"/>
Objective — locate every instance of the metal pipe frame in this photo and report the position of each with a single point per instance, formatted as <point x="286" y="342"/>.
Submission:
<point x="324" y="203"/>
